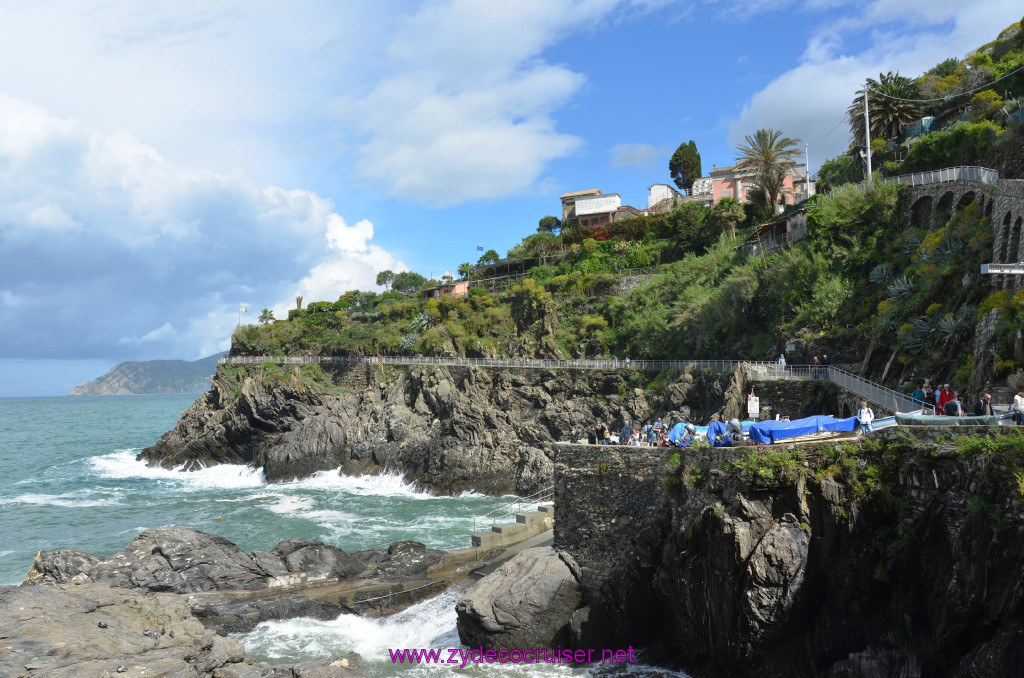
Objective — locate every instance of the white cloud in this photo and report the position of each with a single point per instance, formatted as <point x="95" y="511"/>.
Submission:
<point x="641" y="156"/>
<point x="108" y="248"/>
<point x="463" y="109"/>
<point x="439" y="102"/>
<point x="808" y="100"/>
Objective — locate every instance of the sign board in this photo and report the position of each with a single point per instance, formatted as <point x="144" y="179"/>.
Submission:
<point x="604" y="203"/>
<point x="753" y="406"/>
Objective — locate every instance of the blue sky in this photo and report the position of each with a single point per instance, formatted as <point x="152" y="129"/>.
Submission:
<point x="162" y="164"/>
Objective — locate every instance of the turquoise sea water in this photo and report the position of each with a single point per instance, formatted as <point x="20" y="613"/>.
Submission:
<point x="69" y="480"/>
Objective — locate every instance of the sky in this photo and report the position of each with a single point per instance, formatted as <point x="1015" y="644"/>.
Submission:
<point x="164" y="164"/>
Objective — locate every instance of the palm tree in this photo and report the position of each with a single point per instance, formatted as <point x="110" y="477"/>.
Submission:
<point x="770" y="155"/>
<point x="266" y="316"/>
<point x="889" y="107"/>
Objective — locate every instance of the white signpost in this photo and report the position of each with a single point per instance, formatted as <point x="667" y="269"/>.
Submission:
<point x="753" y="406"/>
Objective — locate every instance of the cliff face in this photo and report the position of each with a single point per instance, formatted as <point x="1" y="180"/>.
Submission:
<point x="449" y="429"/>
<point x="908" y="561"/>
<point x="152" y="377"/>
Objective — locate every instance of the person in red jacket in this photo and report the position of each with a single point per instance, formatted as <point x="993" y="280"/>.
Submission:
<point x="945" y="395"/>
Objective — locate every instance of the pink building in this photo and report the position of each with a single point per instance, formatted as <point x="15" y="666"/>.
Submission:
<point x="734" y="182"/>
<point x="456" y="289"/>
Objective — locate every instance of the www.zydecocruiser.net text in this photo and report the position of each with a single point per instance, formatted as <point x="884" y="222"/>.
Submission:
<point x="462" y="657"/>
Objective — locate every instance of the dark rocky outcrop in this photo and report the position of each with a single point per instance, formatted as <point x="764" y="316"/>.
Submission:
<point x="233" y="591"/>
<point x="526" y="603"/>
<point x="447" y="429"/>
<point x="93" y="630"/>
<point x="908" y="561"/>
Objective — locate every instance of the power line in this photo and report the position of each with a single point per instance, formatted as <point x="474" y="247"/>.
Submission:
<point x="841" y="121"/>
<point x="951" y="96"/>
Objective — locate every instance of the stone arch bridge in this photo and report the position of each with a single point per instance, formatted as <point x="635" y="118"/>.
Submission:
<point x="931" y="197"/>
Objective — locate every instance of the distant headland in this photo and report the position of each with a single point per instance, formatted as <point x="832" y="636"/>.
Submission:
<point x="152" y="377"/>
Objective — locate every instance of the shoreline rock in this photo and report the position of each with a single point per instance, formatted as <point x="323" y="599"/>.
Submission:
<point x="231" y="591"/>
<point x="526" y="603"/>
<point x="448" y="430"/>
<point x="94" y="630"/>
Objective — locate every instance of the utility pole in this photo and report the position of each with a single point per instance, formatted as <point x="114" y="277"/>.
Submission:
<point x="867" y="130"/>
<point x="807" y="172"/>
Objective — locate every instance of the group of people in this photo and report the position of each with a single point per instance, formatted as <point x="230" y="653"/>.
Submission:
<point x="819" y="366"/>
<point x="652" y="434"/>
<point x="948" y="402"/>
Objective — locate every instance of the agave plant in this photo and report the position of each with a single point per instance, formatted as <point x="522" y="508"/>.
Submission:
<point x="422" y="322"/>
<point x="900" y="288"/>
<point x="881" y="274"/>
<point x="911" y="244"/>
<point x="409" y="340"/>
<point x="951" y="245"/>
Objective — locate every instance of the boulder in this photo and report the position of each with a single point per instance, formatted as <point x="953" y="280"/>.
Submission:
<point x="526" y="603"/>
<point x="164" y="559"/>
<point x="93" y="630"/>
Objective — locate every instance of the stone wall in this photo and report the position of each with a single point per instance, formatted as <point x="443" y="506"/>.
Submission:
<point x="797" y="399"/>
<point x="608" y="499"/>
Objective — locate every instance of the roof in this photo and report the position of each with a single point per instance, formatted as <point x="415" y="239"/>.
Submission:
<point x="575" y="194"/>
<point x="790" y="211"/>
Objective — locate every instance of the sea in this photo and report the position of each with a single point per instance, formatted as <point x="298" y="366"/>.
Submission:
<point x="69" y="480"/>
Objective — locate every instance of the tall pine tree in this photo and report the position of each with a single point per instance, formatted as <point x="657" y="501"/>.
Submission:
<point x="685" y="165"/>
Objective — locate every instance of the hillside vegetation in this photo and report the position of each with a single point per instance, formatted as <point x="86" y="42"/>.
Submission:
<point x="864" y="285"/>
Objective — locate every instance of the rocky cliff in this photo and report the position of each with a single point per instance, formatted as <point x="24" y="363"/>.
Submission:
<point x="447" y="429"/>
<point x="892" y="558"/>
<point x="152" y="377"/>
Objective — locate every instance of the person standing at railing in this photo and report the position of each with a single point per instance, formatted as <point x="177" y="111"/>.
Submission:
<point x="826" y="365"/>
<point x="1018" y="408"/>
<point x="815" y="365"/>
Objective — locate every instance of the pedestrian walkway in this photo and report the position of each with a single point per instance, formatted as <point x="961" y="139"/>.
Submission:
<point x="884" y="399"/>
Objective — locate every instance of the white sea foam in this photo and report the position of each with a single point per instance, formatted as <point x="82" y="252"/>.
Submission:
<point x="70" y="500"/>
<point x="429" y="624"/>
<point x="286" y="504"/>
<point x="122" y="464"/>
<point x="382" y="484"/>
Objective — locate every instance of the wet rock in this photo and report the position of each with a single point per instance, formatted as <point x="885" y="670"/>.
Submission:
<point x="52" y="632"/>
<point x="171" y="559"/>
<point x="528" y="602"/>
<point x="447" y="429"/>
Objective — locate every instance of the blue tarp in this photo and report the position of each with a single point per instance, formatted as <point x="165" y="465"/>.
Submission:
<point x="717" y="428"/>
<point x="771" y="431"/>
<point x="676" y="433"/>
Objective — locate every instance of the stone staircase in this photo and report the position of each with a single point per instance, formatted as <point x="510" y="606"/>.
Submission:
<point x="526" y="526"/>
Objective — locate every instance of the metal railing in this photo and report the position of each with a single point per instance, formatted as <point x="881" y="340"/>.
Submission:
<point x="958" y="173"/>
<point x="876" y="394"/>
<point x="531" y="363"/>
<point x="515" y="507"/>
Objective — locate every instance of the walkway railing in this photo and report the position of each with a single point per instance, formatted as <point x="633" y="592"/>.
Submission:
<point x="883" y="398"/>
<point x="541" y="496"/>
<point x="958" y="173"/>
<point x="530" y="363"/>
